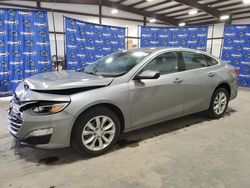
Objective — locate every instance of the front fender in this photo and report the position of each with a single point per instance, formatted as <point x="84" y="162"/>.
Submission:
<point x="116" y="95"/>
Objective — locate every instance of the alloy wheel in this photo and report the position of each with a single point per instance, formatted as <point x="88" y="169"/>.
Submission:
<point x="98" y="133"/>
<point x="220" y="103"/>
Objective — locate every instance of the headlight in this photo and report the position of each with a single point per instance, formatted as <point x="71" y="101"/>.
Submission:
<point x="49" y="108"/>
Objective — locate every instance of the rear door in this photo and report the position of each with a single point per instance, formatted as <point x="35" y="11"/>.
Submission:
<point x="157" y="99"/>
<point x="199" y="81"/>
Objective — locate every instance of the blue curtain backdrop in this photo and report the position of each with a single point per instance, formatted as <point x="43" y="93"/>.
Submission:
<point x="87" y="42"/>
<point x="236" y="50"/>
<point x="24" y="46"/>
<point x="189" y="37"/>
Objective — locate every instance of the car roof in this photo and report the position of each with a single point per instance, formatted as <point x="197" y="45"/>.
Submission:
<point x="157" y="49"/>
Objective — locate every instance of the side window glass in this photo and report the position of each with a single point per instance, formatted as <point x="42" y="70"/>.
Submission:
<point x="211" y="61"/>
<point x="194" y="60"/>
<point x="165" y="63"/>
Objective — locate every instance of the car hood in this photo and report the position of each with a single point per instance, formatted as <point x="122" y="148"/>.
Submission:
<point x="65" y="80"/>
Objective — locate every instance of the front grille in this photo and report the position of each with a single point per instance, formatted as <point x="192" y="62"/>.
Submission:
<point x="16" y="100"/>
<point x="15" y="120"/>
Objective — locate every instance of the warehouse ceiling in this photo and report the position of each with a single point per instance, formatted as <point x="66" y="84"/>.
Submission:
<point x="209" y="11"/>
<point x="172" y="12"/>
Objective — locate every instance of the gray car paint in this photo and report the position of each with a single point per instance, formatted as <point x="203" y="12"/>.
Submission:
<point x="142" y="103"/>
<point x="65" y="80"/>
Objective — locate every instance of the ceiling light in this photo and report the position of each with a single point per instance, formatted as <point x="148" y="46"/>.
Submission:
<point x="182" y="24"/>
<point x="246" y="1"/>
<point x="224" y="17"/>
<point x="152" y="20"/>
<point x="192" y="12"/>
<point x="114" y="11"/>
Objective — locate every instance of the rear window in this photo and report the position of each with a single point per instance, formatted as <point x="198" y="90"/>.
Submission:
<point x="194" y="60"/>
<point x="211" y="61"/>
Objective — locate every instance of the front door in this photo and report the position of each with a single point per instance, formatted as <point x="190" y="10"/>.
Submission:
<point x="157" y="99"/>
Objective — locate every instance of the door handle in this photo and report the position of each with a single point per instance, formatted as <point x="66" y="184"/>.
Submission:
<point x="178" y="80"/>
<point x="211" y="74"/>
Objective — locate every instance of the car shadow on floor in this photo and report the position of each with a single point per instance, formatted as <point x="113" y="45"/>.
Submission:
<point x="131" y="139"/>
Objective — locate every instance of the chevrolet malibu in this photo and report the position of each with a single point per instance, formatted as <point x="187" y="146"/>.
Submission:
<point x="121" y="92"/>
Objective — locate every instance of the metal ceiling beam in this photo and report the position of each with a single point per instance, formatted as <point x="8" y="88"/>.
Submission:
<point x="137" y="3"/>
<point x="198" y="18"/>
<point x="244" y="17"/>
<point x="218" y="7"/>
<point x="176" y="11"/>
<point x="211" y="11"/>
<point x="166" y="8"/>
<point x="207" y="18"/>
<point x="201" y="19"/>
<point x="184" y="14"/>
<point x="187" y="16"/>
<point x="155" y="5"/>
<point x="173" y="6"/>
<point x="87" y="2"/>
<point x="186" y="9"/>
<point x="206" y="23"/>
<point x="165" y="19"/>
<point x="214" y="22"/>
<point x="241" y="12"/>
<point x="197" y="22"/>
<point x="121" y="1"/>
<point x="227" y="5"/>
<point x="71" y="12"/>
<point x="38" y="4"/>
<point x="189" y="8"/>
<point x="209" y="4"/>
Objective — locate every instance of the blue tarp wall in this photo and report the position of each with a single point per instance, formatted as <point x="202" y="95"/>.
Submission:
<point x="236" y="50"/>
<point x="194" y="37"/>
<point x="24" y="46"/>
<point x="87" y="42"/>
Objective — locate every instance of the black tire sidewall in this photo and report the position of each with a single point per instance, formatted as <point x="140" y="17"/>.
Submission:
<point x="212" y="113"/>
<point x="80" y="123"/>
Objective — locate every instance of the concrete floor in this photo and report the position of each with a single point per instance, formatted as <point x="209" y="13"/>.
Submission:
<point x="192" y="151"/>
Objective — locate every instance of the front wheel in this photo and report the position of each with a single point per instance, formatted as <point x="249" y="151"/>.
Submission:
<point x="218" y="104"/>
<point x="96" y="131"/>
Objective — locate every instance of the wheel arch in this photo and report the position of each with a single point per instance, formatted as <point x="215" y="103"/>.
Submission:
<point x="111" y="106"/>
<point x="225" y="86"/>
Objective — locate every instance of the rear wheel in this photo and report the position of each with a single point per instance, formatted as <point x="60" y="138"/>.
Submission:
<point x="96" y="131"/>
<point x="218" y="104"/>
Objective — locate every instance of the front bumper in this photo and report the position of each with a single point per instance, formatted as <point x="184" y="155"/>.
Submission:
<point x="22" y="124"/>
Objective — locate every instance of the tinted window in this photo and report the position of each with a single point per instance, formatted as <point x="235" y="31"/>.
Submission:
<point x="211" y="61"/>
<point x="116" y="64"/>
<point x="194" y="60"/>
<point x="165" y="63"/>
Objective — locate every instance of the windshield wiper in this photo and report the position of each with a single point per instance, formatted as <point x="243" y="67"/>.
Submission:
<point x="92" y="72"/>
<point x="112" y="75"/>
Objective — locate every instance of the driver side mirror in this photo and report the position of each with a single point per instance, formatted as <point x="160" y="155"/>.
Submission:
<point x="148" y="74"/>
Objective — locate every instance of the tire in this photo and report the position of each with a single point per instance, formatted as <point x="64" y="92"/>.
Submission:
<point x="220" y="103"/>
<point x="95" y="131"/>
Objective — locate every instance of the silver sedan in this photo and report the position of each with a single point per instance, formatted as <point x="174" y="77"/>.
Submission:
<point x="122" y="92"/>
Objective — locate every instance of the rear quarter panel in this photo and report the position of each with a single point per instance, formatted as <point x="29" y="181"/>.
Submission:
<point x="229" y="76"/>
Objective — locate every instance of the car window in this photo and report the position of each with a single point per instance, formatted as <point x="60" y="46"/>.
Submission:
<point x="194" y="60"/>
<point x="116" y="64"/>
<point x="165" y="63"/>
<point x="211" y="61"/>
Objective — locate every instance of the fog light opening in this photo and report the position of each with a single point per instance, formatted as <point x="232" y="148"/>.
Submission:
<point x="40" y="132"/>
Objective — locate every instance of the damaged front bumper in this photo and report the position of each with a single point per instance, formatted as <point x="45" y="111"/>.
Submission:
<point x="41" y="131"/>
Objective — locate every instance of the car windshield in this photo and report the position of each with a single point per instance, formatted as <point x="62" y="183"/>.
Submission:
<point x="116" y="64"/>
